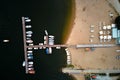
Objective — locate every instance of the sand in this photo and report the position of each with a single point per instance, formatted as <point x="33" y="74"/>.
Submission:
<point x="89" y="13"/>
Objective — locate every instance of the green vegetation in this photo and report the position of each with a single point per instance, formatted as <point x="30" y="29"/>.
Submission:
<point x="70" y="66"/>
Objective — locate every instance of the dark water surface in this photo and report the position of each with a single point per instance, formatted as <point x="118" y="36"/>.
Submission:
<point x="45" y="14"/>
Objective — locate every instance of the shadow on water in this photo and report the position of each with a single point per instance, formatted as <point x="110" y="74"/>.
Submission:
<point x="48" y="67"/>
<point x="45" y="14"/>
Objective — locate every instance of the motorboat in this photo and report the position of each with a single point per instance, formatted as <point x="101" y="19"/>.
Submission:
<point x="29" y="41"/>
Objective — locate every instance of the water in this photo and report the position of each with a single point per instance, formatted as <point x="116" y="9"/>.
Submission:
<point x="45" y="14"/>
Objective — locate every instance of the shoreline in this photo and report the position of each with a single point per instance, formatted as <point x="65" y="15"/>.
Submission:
<point x="89" y="13"/>
<point x="69" y="24"/>
<point x="84" y="16"/>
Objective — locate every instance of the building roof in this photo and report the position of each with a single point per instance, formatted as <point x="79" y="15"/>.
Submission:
<point x="114" y="32"/>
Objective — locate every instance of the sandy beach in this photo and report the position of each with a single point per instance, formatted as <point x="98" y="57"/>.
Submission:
<point x="89" y="13"/>
<point x="94" y="13"/>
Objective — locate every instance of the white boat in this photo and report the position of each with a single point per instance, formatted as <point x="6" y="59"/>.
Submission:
<point x="28" y="38"/>
<point x="68" y="62"/>
<point x="29" y="35"/>
<point x="58" y="47"/>
<point x="51" y="36"/>
<point x="27" y="20"/>
<point x="29" y="32"/>
<point x="45" y="42"/>
<point x="30" y="44"/>
<point x="51" y="42"/>
<point x="68" y="57"/>
<point x="30" y="68"/>
<point x="29" y="54"/>
<point x="29" y="51"/>
<point x="31" y="63"/>
<point x="67" y="52"/>
<point x="35" y="48"/>
<point x="28" y="26"/>
<point x="23" y="64"/>
<point x="26" y="17"/>
<point x="46" y="32"/>
<point x="6" y="40"/>
<point x="49" y="50"/>
<point x="40" y="44"/>
<point x="30" y="57"/>
<point x="29" y="41"/>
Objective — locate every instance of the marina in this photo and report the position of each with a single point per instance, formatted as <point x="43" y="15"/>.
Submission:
<point x="92" y="53"/>
<point x="48" y="46"/>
